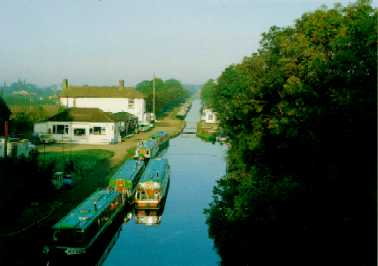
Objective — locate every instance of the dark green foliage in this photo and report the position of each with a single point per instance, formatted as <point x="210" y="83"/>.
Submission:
<point x="208" y="93"/>
<point x="169" y="94"/>
<point x="301" y="117"/>
<point x="4" y="111"/>
<point x="21" y="125"/>
<point x="23" y="181"/>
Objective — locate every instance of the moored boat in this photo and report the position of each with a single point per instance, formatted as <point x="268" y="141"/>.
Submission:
<point x="126" y="178"/>
<point x="162" y="139"/>
<point x="152" y="188"/>
<point x="146" y="149"/>
<point x="76" y="233"/>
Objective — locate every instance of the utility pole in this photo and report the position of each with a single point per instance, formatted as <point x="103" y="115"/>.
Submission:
<point x="153" y="96"/>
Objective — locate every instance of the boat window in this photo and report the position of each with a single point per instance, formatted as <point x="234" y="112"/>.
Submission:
<point x="68" y="236"/>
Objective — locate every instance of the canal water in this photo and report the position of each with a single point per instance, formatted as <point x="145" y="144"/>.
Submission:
<point x="178" y="235"/>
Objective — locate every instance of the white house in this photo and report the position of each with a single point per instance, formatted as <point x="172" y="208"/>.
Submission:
<point x="80" y="125"/>
<point x="209" y="116"/>
<point x="108" y="99"/>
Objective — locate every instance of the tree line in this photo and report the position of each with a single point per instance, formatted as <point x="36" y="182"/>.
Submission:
<point x="300" y="114"/>
<point x="169" y="94"/>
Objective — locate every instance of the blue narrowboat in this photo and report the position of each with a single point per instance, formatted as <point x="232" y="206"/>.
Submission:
<point x="162" y="139"/>
<point x="152" y="188"/>
<point x="147" y="149"/>
<point x="126" y="178"/>
<point x="76" y="233"/>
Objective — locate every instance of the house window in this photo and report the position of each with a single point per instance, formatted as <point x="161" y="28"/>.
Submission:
<point x="60" y="129"/>
<point x="131" y="104"/>
<point x="210" y="117"/>
<point x="97" y="131"/>
<point x="79" y="131"/>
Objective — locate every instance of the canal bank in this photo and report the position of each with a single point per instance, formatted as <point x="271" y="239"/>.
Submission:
<point x="178" y="235"/>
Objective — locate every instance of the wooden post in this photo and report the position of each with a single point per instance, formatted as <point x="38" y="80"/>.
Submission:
<point x="5" y="139"/>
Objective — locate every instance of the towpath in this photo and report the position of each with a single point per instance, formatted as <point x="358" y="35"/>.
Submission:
<point x="172" y="126"/>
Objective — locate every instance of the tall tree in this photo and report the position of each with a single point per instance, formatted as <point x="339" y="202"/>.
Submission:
<point x="301" y="117"/>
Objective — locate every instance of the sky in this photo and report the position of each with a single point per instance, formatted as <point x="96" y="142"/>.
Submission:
<point x="99" y="42"/>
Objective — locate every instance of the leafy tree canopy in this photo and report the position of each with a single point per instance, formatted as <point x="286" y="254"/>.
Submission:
<point x="301" y="117"/>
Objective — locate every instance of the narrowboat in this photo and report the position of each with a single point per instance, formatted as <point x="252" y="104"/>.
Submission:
<point x="152" y="188"/>
<point x="126" y="178"/>
<point x="77" y="232"/>
<point x="162" y="139"/>
<point x="146" y="149"/>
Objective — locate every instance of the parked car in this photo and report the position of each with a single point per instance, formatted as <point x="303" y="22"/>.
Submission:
<point x="46" y="138"/>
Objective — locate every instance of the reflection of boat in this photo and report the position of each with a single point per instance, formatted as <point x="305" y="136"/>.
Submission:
<point x="152" y="188"/>
<point x="146" y="149"/>
<point x="79" y="229"/>
<point x="162" y="139"/>
<point x="126" y="178"/>
<point x="149" y="216"/>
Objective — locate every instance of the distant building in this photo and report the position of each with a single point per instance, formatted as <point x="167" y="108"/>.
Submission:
<point x="80" y="125"/>
<point x="109" y="99"/>
<point x="209" y="116"/>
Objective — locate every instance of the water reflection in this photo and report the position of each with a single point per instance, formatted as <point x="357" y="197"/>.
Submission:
<point x="178" y="231"/>
<point x="149" y="216"/>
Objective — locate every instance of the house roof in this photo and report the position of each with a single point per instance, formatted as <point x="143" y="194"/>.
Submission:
<point x="100" y="92"/>
<point x="82" y="115"/>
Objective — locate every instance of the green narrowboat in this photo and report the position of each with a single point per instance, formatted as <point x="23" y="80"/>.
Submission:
<point x="147" y="149"/>
<point x="152" y="188"/>
<point x="162" y="139"/>
<point x="126" y="178"/>
<point x="76" y="233"/>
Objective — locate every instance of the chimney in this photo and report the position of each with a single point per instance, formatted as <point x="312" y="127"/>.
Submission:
<point x="121" y="83"/>
<point x="65" y="84"/>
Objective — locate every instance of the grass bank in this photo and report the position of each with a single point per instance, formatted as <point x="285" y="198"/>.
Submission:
<point x="206" y="131"/>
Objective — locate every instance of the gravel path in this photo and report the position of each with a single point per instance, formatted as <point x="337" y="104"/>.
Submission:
<point x="172" y="127"/>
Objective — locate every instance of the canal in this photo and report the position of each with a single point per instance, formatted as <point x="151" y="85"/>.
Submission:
<point x="179" y="236"/>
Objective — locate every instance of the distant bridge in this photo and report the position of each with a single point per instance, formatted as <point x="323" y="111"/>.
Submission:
<point x="189" y="130"/>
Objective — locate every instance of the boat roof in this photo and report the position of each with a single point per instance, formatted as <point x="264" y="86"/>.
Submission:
<point x="128" y="170"/>
<point x="149" y="144"/>
<point x="155" y="170"/>
<point x="84" y="214"/>
<point x="159" y="134"/>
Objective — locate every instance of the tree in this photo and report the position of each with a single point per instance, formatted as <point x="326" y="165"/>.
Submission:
<point x="301" y="117"/>
<point x="169" y="94"/>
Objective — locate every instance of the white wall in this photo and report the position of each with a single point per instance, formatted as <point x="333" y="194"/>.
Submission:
<point x="111" y="132"/>
<point x="113" y="105"/>
<point x="209" y="116"/>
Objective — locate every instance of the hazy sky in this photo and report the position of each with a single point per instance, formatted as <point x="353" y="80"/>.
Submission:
<point x="101" y="41"/>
